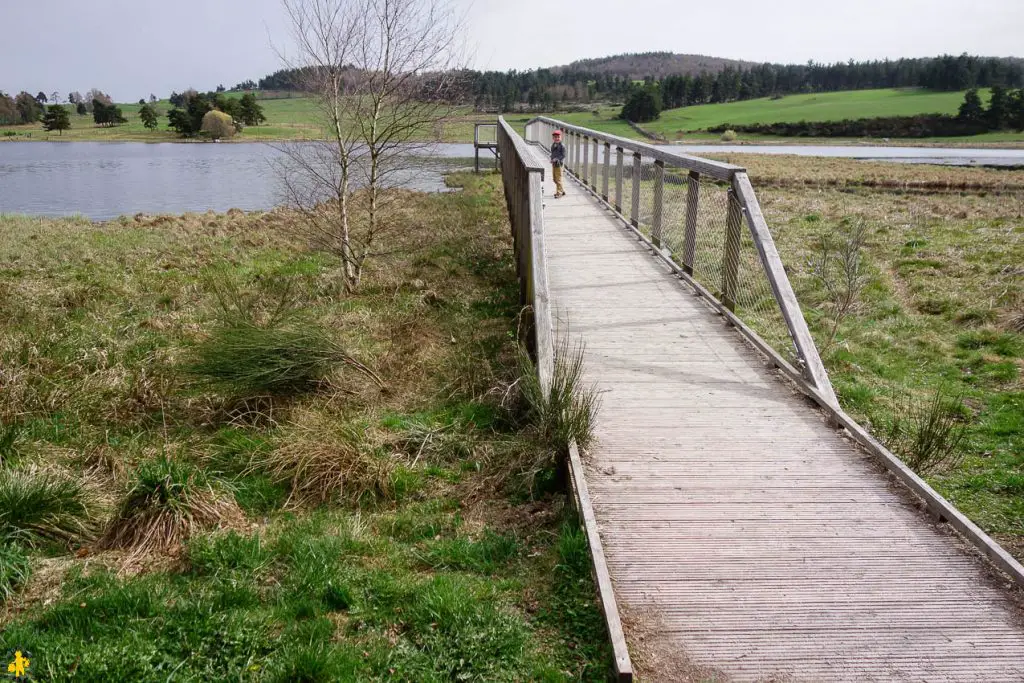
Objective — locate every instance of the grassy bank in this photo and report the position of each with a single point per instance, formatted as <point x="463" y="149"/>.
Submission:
<point x="169" y="508"/>
<point x="942" y="309"/>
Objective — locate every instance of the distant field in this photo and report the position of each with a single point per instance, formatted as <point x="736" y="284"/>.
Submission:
<point x="683" y="122"/>
<point x="288" y="118"/>
<point x="294" y="118"/>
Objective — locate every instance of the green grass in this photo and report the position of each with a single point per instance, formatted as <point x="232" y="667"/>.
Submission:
<point x="351" y="531"/>
<point x="945" y="283"/>
<point x="685" y="121"/>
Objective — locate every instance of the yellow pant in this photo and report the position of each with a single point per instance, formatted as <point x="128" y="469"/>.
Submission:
<point x="556" y="175"/>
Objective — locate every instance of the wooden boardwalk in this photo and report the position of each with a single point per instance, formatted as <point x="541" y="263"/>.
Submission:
<point x="742" y="533"/>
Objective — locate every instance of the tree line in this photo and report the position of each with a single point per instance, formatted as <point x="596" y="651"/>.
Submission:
<point x="550" y="89"/>
<point x="189" y="109"/>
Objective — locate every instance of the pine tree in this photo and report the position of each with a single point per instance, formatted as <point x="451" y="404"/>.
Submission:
<point x="56" y="118"/>
<point x="998" y="113"/>
<point x="971" y="110"/>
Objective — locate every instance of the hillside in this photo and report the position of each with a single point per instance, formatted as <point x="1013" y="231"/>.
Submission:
<point x="833" y="106"/>
<point x="656" y="64"/>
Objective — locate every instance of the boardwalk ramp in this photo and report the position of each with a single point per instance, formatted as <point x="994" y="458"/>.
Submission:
<point x="743" y="526"/>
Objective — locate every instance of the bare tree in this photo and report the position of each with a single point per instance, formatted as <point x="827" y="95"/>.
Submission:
<point x="385" y="74"/>
<point x="838" y="266"/>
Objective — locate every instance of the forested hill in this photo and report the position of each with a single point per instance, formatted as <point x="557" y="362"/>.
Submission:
<point x="657" y="65"/>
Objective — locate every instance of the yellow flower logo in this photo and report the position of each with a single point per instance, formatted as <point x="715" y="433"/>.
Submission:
<point x="19" y="667"/>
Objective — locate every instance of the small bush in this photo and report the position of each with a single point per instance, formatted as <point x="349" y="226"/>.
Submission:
<point x="218" y="125"/>
<point x="565" y="411"/>
<point x="248" y="360"/>
<point x="928" y="436"/>
<point x="551" y="419"/>
<point x="15" y="570"/>
<point x="168" y="501"/>
<point x="38" y="505"/>
<point x="729" y="136"/>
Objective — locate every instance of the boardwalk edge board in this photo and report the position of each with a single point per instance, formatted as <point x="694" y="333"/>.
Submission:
<point x="940" y="508"/>
<point x="525" y="203"/>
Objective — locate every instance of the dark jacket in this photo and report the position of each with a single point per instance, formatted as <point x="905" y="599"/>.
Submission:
<point x="557" y="153"/>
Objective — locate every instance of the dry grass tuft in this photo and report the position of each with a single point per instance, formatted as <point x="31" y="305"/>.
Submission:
<point x="323" y="459"/>
<point x="169" y="501"/>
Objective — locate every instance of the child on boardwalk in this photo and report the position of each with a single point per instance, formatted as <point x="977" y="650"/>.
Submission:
<point x="557" y="159"/>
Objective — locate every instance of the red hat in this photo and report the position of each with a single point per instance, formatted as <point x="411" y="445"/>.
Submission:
<point x="556" y="134"/>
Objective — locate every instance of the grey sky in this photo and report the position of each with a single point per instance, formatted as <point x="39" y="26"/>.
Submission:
<point x="131" y="48"/>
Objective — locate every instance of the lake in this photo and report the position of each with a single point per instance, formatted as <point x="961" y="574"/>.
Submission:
<point x="103" y="180"/>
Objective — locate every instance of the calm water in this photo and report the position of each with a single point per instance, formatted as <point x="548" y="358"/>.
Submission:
<point x="103" y="180"/>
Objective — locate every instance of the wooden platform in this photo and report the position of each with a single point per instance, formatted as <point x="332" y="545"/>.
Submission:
<point x="743" y="533"/>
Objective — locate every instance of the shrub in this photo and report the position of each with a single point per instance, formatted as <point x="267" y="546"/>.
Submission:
<point x="729" y="136"/>
<point x="552" y="418"/>
<point x="36" y="505"/>
<point x="643" y="105"/>
<point x="928" y="435"/>
<point x="565" y="412"/>
<point x="14" y="570"/>
<point x="218" y="125"/>
<point x="285" y="358"/>
<point x="168" y="501"/>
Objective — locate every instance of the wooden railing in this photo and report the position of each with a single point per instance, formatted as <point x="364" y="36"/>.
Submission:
<point x="691" y="211"/>
<point x="715" y="231"/>
<point x="523" y="180"/>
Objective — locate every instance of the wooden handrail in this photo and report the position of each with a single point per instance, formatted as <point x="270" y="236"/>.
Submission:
<point x="716" y="169"/>
<point x="524" y="195"/>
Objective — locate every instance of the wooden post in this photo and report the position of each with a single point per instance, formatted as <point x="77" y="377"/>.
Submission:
<point x="618" y="179"/>
<point x="659" y="202"/>
<point x="586" y="159"/>
<point x="607" y="170"/>
<point x="634" y="215"/>
<point x="576" y="156"/>
<point x="731" y="262"/>
<point x="597" y="157"/>
<point x="692" y="207"/>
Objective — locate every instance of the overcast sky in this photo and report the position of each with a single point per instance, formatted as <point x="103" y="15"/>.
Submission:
<point x="131" y="48"/>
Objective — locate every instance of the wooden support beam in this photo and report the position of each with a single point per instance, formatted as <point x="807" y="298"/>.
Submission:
<point x="634" y="216"/>
<point x="618" y="179"/>
<point x="659" y="203"/>
<point x="731" y="257"/>
<point x="607" y="170"/>
<point x="692" y="208"/>
<point x="586" y="159"/>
